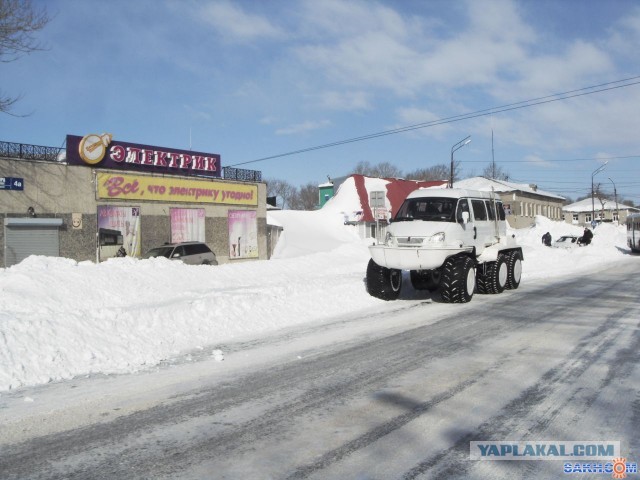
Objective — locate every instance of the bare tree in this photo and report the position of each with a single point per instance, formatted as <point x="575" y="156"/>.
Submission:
<point x="495" y="172"/>
<point x="306" y="198"/>
<point x="382" y="170"/>
<point x="436" y="172"/>
<point x="363" y="168"/>
<point x="387" y="170"/>
<point x="19" y="22"/>
<point x="628" y="203"/>
<point x="282" y="190"/>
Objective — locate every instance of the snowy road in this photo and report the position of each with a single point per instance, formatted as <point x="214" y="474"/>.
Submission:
<point x="397" y="393"/>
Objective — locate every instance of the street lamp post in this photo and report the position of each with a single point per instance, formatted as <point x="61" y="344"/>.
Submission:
<point x="457" y="146"/>
<point x="593" y="205"/>
<point x="615" y="197"/>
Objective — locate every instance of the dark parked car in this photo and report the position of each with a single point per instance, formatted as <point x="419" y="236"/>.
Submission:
<point x="192" y="253"/>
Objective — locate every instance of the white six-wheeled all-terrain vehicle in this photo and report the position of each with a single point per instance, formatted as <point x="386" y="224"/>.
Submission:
<point x="452" y="240"/>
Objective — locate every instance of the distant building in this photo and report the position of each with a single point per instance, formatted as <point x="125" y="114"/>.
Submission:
<point x="325" y="193"/>
<point x="580" y="213"/>
<point x="327" y="190"/>
<point x="522" y="202"/>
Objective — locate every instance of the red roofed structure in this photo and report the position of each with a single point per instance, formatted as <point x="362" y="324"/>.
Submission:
<point x="397" y="191"/>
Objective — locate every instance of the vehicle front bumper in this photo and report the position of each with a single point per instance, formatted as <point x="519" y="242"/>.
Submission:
<point x="412" y="258"/>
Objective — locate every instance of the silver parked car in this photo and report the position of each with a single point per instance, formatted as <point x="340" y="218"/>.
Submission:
<point x="566" y="241"/>
<point x="192" y="253"/>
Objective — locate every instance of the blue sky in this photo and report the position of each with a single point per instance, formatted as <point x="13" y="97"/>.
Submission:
<point x="254" y="79"/>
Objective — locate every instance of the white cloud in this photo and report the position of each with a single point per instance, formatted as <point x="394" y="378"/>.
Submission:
<point x="537" y="161"/>
<point x="303" y="127"/>
<point x="368" y="44"/>
<point x="235" y="23"/>
<point x="349" y="101"/>
<point x="268" y="120"/>
<point x="545" y="75"/>
<point x="408" y="116"/>
<point x="335" y="19"/>
<point x="197" y="114"/>
<point x="625" y="35"/>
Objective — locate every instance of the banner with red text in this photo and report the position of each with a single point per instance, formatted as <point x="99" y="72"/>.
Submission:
<point x="167" y="189"/>
<point x="102" y="151"/>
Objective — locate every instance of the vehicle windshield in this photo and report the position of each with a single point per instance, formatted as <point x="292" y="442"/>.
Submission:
<point x="158" y="252"/>
<point x="430" y="209"/>
<point x="567" y="239"/>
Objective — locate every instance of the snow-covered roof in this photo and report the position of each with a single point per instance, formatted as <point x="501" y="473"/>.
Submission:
<point x="585" y="205"/>
<point x="486" y="184"/>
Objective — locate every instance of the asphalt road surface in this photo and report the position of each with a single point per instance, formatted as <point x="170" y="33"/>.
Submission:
<point x="396" y="393"/>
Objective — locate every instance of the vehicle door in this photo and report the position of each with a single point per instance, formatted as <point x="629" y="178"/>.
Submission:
<point x="192" y="255"/>
<point x="467" y="231"/>
<point x="178" y="254"/>
<point x="483" y="227"/>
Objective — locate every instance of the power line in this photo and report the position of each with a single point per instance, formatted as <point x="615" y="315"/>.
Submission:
<point x="561" y="160"/>
<point x="627" y="82"/>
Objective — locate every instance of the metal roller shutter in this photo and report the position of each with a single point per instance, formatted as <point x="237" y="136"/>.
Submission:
<point x="35" y="237"/>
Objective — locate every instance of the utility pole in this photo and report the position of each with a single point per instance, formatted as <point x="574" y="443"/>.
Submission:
<point x="457" y="146"/>
<point x="593" y="207"/>
<point x="615" y="196"/>
<point x="493" y="159"/>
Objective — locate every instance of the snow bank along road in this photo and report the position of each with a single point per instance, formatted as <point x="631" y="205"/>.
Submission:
<point x="396" y="393"/>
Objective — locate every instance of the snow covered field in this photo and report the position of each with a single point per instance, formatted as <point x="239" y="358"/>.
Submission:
<point x="60" y="319"/>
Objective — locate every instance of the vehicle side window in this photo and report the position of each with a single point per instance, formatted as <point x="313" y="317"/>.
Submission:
<point x="200" y="248"/>
<point x="178" y="252"/>
<point x="500" y="211"/>
<point x="463" y="206"/>
<point x="190" y="250"/>
<point x="491" y="209"/>
<point x="479" y="212"/>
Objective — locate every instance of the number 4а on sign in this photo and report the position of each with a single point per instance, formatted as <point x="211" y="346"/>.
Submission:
<point x="11" y="183"/>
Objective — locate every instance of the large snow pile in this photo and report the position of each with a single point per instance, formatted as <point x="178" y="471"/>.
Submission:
<point x="60" y="318"/>
<point x="609" y="243"/>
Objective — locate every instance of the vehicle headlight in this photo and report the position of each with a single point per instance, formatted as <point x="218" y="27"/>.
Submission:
<point x="389" y="240"/>
<point x="437" y="238"/>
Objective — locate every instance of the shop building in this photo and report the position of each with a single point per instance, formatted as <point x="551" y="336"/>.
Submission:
<point x="102" y="193"/>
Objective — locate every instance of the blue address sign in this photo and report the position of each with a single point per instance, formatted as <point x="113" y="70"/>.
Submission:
<point x="11" y="183"/>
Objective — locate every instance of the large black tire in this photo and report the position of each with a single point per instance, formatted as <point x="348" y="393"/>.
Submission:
<point x="425" y="279"/>
<point x="458" y="279"/>
<point x="514" y="268"/>
<point x="384" y="283"/>
<point x="493" y="276"/>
